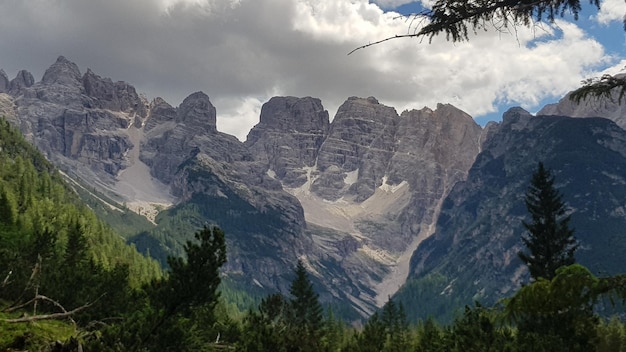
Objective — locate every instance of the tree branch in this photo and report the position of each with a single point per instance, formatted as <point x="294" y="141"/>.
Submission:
<point x="397" y="36"/>
<point x="64" y="314"/>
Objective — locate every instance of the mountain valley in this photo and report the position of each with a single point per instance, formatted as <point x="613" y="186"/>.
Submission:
<point x="426" y="202"/>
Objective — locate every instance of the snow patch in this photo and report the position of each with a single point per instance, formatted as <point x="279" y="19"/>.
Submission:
<point x="391" y="188"/>
<point x="351" y="177"/>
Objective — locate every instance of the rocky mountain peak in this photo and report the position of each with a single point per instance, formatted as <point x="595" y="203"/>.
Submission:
<point x="197" y="109"/>
<point x="366" y="101"/>
<point x="62" y="72"/>
<point x="24" y="79"/>
<point x="516" y="118"/>
<point x="361" y="140"/>
<point x="293" y="114"/>
<point x="4" y="82"/>
<point x="288" y="137"/>
<point x="611" y="109"/>
<point x="118" y="96"/>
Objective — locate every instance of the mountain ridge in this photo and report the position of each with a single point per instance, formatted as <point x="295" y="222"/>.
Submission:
<point x="356" y="198"/>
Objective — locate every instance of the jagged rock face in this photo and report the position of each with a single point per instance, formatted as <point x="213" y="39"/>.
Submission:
<point x="383" y="174"/>
<point x="7" y="107"/>
<point x="613" y="108"/>
<point x="4" y="82"/>
<point x="197" y="108"/>
<point x="361" y="141"/>
<point x="24" y="79"/>
<point x="434" y="151"/>
<point x="175" y="135"/>
<point x="118" y="96"/>
<point x="473" y="253"/>
<point x="86" y="120"/>
<point x="264" y="224"/>
<point x="288" y="137"/>
<point x="66" y="123"/>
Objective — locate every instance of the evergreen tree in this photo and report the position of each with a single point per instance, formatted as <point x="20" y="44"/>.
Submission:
<point x="373" y="336"/>
<point x="267" y="329"/>
<point x="558" y="314"/>
<point x="550" y="241"/>
<point x="397" y="326"/>
<point x="191" y="284"/>
<point x="306" y="311"/>
<point x="431" y="337"/>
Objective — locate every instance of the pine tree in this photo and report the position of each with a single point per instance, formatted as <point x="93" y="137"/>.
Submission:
<point x="397" y="326"/>
<point x="550" y="241"/>
<point x="307" y="313"/>
<point x="373" y="336"/>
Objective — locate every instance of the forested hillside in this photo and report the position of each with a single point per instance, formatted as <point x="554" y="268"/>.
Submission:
<point x="35" y="201"/>
<point x="55" y="255"/>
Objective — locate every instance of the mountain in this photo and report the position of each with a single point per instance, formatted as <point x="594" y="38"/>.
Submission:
<point x="472" y="255"/>
<point x="351" y="198"/>
<point x="372" y="201"/>
<point x="607" y="107"/>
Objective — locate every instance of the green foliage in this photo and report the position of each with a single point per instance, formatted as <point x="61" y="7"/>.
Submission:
<point x="455" y="17"/>
<point x="604" y="87"/>
<point x="427" y="296"/>
<point x="295" y="324"/>
<point x="55" y="255"/>
<point x="373" y="336"/>
<point x="32" y="337"/>
<point x="550" y="241"/>
<point x="306" y="309"/>
<point x="430" y="337"/>
<point x="611" y="336"/>
<point x="387" y="330"/>
<point x="557" y="314"/>
<point x="477" y="331"/>
<point x="190" y="286"/>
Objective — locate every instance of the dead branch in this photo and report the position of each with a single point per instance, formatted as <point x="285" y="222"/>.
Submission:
<point x="65" y="314"/>
<point x="6" y="279"/>
<point x="397" y="36"/>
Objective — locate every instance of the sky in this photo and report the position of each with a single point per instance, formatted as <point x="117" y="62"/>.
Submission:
<point x="243" y="52"/>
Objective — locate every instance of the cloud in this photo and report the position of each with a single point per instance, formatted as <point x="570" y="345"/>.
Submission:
<point x="392" y="4"/>
<point x="611" y="10"/>
<point x="242" y="52"/>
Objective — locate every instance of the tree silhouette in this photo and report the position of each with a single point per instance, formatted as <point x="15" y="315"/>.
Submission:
<point x="307" y="313"/>
<point x="550" y="241"/>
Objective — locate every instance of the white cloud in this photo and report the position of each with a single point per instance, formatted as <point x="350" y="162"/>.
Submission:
<point x="611" y="10"/>
<point x="241" y="52"/>
<point x="392" y="4"/>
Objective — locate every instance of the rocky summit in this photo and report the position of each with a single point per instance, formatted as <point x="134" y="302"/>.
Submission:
<point x="370" y="201"/>
<point x="472" y="255"/>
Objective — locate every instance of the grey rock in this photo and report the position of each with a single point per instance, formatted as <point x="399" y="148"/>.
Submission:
<point x="69" y="126"/>
<point x="434" y="151"/>
<point x="4" y="82"/>
<point x="361" y="140"/>
<point x="197" y="110"/>
<point x="63" y="72"/>
<point x="118" y="96"/>
<point x="612" y="108"/>
<point x="175" y="135"/>
<point x="473" y="252"/>
<point x="8" y="110"/>
<point x="24" y="79"/>
<point x="288" y="137"/>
